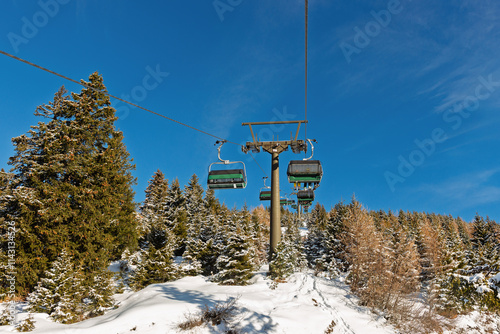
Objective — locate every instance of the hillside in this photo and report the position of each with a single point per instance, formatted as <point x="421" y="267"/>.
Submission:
<point x="305" y="304"/>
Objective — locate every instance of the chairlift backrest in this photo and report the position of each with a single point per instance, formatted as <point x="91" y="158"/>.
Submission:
<point x="305" y="195"/>
<point x="304" y="171"/>
<point x="265" y="195"/>
<point x="226" y="178"/>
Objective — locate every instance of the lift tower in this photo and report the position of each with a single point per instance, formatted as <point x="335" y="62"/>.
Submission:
<point x="275" y="147"/>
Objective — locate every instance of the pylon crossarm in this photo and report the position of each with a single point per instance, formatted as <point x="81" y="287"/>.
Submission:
<point x="296" y="145"/>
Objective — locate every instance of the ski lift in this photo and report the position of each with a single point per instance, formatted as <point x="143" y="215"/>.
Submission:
<point x="286" y="201"/>
<point x="226" y="178"/>
<point x="265" y="195"/>
<point x="305" y="196"/>
<point x="306" y="170"/>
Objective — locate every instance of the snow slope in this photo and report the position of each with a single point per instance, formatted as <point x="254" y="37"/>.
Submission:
<point x="306" y="304"/>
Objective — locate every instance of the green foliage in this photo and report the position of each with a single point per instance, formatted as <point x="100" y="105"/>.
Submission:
<point x="60" y="292"/>
<point x="99" y="293"/>
<point x="26" y="325"/>
<point x="156" y="265"/>
<point x="71" y="185"/>
<point x="234" y="265"/>
<point x="175" y="215"/>
<point x="202" y="248"/>
<point x="289" y="256"/>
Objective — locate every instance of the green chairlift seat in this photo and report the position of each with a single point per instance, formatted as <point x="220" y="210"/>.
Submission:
<point x="286" y="201"/>
<point x="304" y="171"/>
<point x="305" y="196"/>
<point x="265" y="195"/>
<point x="227" y="179"/>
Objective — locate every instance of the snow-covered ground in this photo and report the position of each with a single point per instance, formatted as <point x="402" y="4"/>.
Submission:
<point x="305" y="304"/>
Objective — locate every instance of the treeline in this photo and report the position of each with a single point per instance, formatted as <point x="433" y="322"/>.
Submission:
<point x="205" y="236"/>
<point x="390" y="258"/>
<point x="67" y="212"/>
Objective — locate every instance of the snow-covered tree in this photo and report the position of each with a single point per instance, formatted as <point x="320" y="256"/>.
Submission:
<point x="151" y="211"/>
<point x="72" y="185"/>
<point x="234" y="265"/>
<point x="175" y="215"/>
<point x="202" y="250"/>
<point x="60" y="292"/>
<point x="194" y="201"/>
<point x="156" y="264"/>
<point x="324" y="246"/>
<point x="289" y="256"/>
<point x="99" y="293"/>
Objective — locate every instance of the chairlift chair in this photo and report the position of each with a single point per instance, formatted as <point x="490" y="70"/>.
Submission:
<point x="226" y="178"/>
<point x="306" y="170"/>
<point x="305" y="196"/>
<point x="265" y="195"/>
<point x="286" y="201"/>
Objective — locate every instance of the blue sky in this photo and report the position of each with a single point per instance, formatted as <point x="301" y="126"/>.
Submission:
<point x="403" y="96"/>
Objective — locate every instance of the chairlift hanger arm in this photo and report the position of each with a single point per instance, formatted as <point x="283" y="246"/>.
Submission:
<point x="312" y="148"/>
<point x="222" y="142"/>
<point x="277" y="146"/>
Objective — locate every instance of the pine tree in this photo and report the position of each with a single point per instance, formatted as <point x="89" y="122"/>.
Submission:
<point x="194" y="201"/>
<point x="202" y="250"/>
<point x="212" y="203"/>
<point x="7" y="234"/>
<point x="234" y="265"/>
<point x="156" y="264"/>
<point x="152" y="216"/>
<point x="60" y="292"/>
<point x="325" y="249"/>
<point x="289" y="256"/>
<point x="174" y="212"/>
<point x="259" y="235"/>
<point x="72" y="185"/>
<point x="99" y="295"/>
<point x="485" y="256"/>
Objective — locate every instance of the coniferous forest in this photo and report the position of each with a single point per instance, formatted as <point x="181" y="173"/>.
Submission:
<point x="69" y="196"/>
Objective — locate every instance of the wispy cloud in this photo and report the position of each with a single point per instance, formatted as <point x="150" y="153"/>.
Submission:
<point x="447" y="49"/>
<point x="466" y="191"/>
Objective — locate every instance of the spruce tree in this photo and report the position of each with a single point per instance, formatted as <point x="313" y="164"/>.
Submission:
<point x="194" y="201"/>
<point x="152" y="212"/>
<point x="234" y="264"/>
<point x="202" y="250"/>
<point x="156" y="264"/>
<point x="289" y="256"/>
<point x="60" y="292"/>
<point x="99" y="295"/>
<point x="174" y="212"/>
<point x="72" y="183"/>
